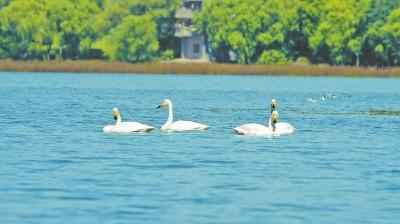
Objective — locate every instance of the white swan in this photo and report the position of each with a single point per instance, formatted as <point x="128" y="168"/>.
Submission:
<point x="179" y="125"/>
<point x="274" y="128"/>
<point x="125" y="127"/>
<point x="281" y="127"/>
<point x="258" y="129"/>
<point x="311" y="100"/>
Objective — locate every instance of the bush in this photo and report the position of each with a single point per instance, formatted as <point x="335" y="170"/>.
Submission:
<point x="167" y="55"/>
<point x="302" y="60"/>
<point x="272" y="57"/>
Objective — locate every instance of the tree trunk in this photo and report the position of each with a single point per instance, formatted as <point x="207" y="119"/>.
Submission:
<point x="358" y="60"/>
<point x="60" y="53"/>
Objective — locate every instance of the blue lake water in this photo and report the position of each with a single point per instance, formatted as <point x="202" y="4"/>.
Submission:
<point x="342" y="165"/>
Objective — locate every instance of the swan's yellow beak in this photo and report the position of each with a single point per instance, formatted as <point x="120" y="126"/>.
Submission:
<point x="162" y="104"/>
<point x="273" y="104"/>
<point x="115" y="113"/>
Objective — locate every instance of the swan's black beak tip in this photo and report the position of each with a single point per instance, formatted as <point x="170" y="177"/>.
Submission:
<point x="159" y="107"/>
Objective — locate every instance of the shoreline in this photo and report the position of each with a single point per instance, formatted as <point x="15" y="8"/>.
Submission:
<point x="96" y="66"/>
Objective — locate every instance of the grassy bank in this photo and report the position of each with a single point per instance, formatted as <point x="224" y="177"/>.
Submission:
<point x="194" y="68"/>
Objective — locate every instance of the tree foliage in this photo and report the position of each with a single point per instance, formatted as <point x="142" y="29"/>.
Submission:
<point x="127" y="30"/>
<point x="350" y="32"/>
<point x="339" y="32"/>
<point x="272" y="57"/>
<point x="133" y="40"/>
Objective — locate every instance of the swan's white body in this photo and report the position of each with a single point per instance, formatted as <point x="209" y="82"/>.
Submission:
<point x="184" y="126"/>
<point x="170" y="125"/>
<point x="284" y="128"/>
<point x="273" y="128"/>
<point x="125" y="127"/>
<point x="281" y="128"/>
<point x="254" y="129"/>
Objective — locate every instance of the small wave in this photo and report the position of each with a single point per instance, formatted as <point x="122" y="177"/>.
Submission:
<point x="373" y="112"/>
<point x="393" y="171"/>
<point x="224" y="110"/>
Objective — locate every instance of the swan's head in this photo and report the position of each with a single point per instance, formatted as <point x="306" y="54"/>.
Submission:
<point x="164" y="103"/>
<point x="273" y="104"/>
<point x="115" y="112"/>
<point x="274" y="117"/>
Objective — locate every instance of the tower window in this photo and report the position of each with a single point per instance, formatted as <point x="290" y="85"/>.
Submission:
<point x="196" y="48"/>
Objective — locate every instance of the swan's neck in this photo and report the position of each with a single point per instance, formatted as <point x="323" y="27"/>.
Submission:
<point x="271" y="124"/>
<point x="119" y="119"/>
<point x="170" y="117"/>
<point x="272" y="108"/>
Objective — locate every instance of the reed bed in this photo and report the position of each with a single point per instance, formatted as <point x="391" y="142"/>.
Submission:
<point x="94" y="66"/>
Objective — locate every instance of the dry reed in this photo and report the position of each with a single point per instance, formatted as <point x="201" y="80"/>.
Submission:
<point x="94" y="66"/>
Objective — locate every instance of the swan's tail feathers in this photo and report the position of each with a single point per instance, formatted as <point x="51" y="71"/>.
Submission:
<point x="107" y="129"/>
<point x="203" y="127"/>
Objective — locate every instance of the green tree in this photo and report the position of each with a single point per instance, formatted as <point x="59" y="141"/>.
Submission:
<point x="338" y="20"/>
<point x="301" y="26"/>
<point x="247" y="29"/>
<point x="391" y="34"/>
<point x="75" y="23"/>
<point x="353" y="32"/>
<point x="156" y="12"/>
<point x="23" y="29"/>
<point x="373" y="47"/>
<point x="230" y="26"/>
<point x="134" y="40"/>
<point x="272" y="57"/>
<point x="34" y="28"/>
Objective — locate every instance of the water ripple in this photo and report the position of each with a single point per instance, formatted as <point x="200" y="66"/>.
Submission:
<point x="56" y="165"/>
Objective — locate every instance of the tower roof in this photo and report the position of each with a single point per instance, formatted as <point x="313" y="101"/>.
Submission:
<point x="183" y="13"/>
